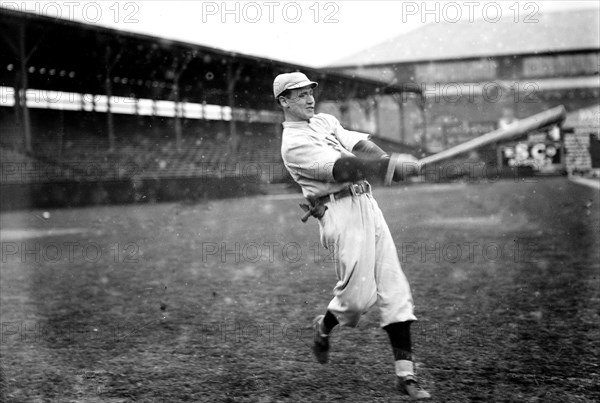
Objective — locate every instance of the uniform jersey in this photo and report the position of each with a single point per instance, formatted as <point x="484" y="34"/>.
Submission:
<point x="309" y="150"/>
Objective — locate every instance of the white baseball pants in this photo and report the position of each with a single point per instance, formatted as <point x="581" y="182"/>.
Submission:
<point x="366" y="262"/>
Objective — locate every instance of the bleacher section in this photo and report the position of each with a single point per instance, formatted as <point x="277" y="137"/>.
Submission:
<point x="143" y="151"/>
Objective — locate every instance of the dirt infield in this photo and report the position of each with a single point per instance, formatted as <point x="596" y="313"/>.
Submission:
<point x="213" y="301"/>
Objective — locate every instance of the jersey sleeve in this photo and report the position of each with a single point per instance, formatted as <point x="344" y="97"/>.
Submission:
<point x="348" y="138"/>
<point x="310" y="160"/>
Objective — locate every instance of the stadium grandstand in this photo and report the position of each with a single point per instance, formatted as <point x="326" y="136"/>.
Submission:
<point x="90" y="114"/>
<point x="472" y="72"/>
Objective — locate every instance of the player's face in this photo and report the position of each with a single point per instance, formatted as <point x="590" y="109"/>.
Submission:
<point x="301" y="104"/>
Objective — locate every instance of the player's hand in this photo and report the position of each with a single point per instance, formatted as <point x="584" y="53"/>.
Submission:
<point x="400" y="167"/>
<point x="406" y="165"/>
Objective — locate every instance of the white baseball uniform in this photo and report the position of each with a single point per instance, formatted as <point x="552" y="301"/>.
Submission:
<point x="367" y="265"/>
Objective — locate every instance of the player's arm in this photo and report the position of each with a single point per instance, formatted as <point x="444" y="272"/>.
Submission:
<point x="368" y="150"/>
<point x="352" y="169"/>
<point x="372" y="162"/>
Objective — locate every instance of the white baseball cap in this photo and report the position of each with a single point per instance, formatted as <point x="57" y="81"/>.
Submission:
<point x="290" y="81"/>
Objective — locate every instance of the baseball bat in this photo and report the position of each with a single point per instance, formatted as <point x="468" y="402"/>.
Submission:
<point x="520" y="127"/>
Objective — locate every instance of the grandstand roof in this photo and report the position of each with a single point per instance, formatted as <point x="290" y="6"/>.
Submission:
<point x="73" y="57"/>
<point x="563" y="31"/>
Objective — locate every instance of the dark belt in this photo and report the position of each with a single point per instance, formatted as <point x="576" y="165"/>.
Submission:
<point x="353" y="190"/>
<point x="317" y="204"/>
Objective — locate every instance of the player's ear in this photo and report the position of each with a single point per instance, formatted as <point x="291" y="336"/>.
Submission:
<point x="283" y="101"/>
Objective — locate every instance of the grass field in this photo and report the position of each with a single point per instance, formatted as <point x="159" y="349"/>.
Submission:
<point x="213" y="301"/>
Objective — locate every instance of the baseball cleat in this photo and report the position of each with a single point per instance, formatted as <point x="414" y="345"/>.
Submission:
<point x="409" y="386"/>
<point x="321" y="342"/>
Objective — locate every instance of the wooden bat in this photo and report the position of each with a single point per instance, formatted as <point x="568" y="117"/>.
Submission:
<point x="520" y="127"/>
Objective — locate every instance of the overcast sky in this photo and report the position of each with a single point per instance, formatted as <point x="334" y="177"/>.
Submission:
<point x="304" y="32"/>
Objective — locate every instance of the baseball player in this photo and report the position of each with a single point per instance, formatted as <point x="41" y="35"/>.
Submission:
<point x="331" y="164"/>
